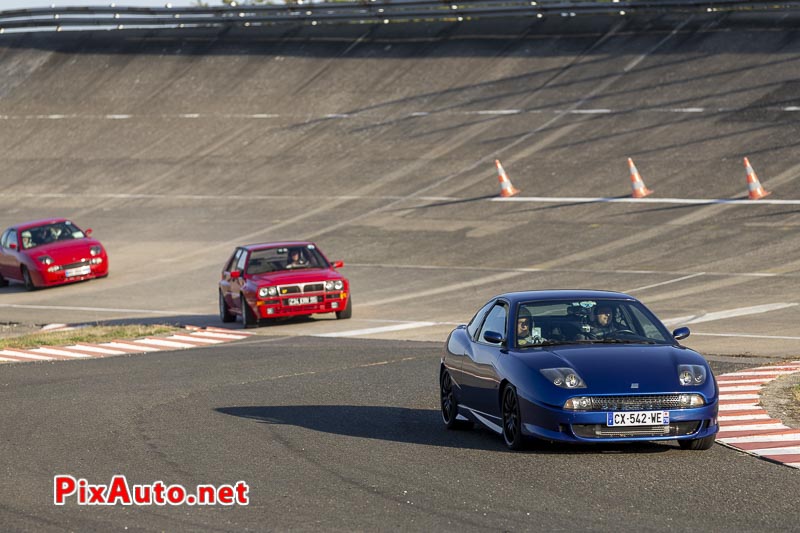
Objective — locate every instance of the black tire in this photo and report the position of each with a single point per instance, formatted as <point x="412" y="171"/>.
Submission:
<point x="704" y="443"/>
<point x="224" y="314"/>
<point x="347" y="312"/>
<point x="3" y="281"/>
<point x="27" y="280"/>
<point x="449" y="404"/>
<point x="248" y="318"/>
<point x="512" y="421"/>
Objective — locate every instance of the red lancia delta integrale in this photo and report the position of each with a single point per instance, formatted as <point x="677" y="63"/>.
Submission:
<point x="50" y="252"/>
<point x="281" y="279"/>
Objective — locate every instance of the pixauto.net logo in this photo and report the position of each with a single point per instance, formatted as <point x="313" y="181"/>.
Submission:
<point x="119" y="492"/>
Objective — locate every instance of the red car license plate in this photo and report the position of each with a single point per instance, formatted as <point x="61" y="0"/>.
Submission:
<point x="303" y="300"/>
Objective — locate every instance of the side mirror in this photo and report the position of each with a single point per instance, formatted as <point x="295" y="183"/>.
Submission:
<point x="493" y="337"/>
<point x="337" y="264"/>
<point x="681" y="333"/>
<point x="235" y="274"/>
<point x="88" y="232"/>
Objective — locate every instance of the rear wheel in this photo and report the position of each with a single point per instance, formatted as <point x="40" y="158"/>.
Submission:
<point x="27" y="279"/>
<point x="248" y="317"/>
<point x="3" y="281"/>
<point x="698" y="444"/>
<point x="450" y="405"/>
<point x="347" y="312"/>
<point x="512" y="421"/>
<point x="224" y="314"/>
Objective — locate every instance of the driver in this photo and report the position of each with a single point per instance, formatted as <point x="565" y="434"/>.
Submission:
<point x="601" y="326"/>
<point x="296" y="259"/>
<point x="526" y="335"/>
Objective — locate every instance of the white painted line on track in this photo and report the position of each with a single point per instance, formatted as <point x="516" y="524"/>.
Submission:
<point x="762" y="438"/>
<point x="628" y="200"/>
<point x="194" y="338"/>
<point x="789" y="450"/>
<point x="740" y="397"/>
<point x="730" y="313"/>
<point x="55" y="351"/>
<point x="96" y="349"/>
<point x="163" y="342"/>
<point x="752" y="427"/>
<point x="383" y="329"/>
<point x="739" y="388"/>
<point x="495" y="112"/>
<point x="129" y="346"/>
<point x="684" y="278"/>
<point x="25" y="355"/>
<point x="743" y="335"/>
<point x="215" y="335"/>
<point x="740" y="407"/>
<point x="734" y="418"/>
<point x="97" y="309"/>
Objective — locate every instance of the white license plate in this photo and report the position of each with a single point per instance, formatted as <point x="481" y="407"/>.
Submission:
<point x="638" y="418"/>
<point x="303" y="300"/>
<point x="80" y="271"/>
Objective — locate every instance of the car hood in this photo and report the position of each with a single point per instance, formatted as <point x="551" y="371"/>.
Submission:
<point x="288" y="277"/>
<point x="638" y="368"/>
<point x="65" y="252"/>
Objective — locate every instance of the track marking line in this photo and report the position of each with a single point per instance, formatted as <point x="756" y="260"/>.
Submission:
<point x="627" y="200"/>
<point x="381" y="329"/>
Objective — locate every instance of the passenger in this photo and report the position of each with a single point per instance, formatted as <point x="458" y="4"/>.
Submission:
<point x="27" y="242"/>
<point x="296" y="259"/>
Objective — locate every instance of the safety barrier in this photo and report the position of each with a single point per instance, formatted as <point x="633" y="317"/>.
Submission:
<point x="364" y="12"/>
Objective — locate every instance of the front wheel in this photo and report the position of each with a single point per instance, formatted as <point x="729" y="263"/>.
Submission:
<point x="27" y="280"/>
<point x="704" y="443"/>
<point x="248" y="317"/>
<point x="512" y="421"/>
<point x="347" y="312"/>
<point x="224" y="314"/>
<point x="3" y="281"/>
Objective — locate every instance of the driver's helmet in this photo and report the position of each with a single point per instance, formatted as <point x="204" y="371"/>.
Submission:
<point x="525" y="314"/>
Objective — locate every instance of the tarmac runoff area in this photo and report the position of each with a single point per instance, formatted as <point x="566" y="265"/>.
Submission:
<point x="745" y="424"/>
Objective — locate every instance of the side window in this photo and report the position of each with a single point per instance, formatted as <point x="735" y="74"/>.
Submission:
<point x="4" y="239"/>
<point x="12" y="239"/>
<point x="477" y="320"/>
<point x="242" y="259"/>
<point x="233" y="260"/>
<point x="495" y="321"/>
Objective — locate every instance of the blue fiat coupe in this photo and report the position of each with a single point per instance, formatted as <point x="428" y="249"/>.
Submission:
<point x="576" y="366"/>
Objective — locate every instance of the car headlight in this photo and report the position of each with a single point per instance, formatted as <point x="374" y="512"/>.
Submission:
<point x="338" y="285"/>
<point x="45" y="259"/>
<point x="566" y="378"/>
<point x="263" y="292"/>
<point x="689" y="375"/>
<point x="96" y="249"/>
<point x="329" y="285"/>
<point x="580" y="403"/>
<point x="691" y="400"/>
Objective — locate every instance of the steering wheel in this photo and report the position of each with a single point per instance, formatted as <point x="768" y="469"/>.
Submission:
<point x="625" y="331"/>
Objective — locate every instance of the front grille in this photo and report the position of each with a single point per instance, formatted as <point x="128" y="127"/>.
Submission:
<point x="301" y="288"/>
<point x="599" y="431"/>
<point x="636" y="403"/>
<point x="75" y="265"/>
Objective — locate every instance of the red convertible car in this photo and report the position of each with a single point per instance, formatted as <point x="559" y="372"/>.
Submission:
<point x="50" y="252"/>
<point x="281" y="279"/>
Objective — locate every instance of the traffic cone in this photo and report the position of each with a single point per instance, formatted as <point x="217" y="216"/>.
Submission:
<point x="754" y="188"/>
<point x="639" y="189"/>
<point x="506" y="188"/>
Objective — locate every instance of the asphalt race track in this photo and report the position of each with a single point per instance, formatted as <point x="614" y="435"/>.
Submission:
<point x="379" y="144"/>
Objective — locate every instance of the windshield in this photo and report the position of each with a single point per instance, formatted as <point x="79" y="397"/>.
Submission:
<point x="587" y="321"/>
<point x="285" y="258"/>
<point x="40" y="235"/>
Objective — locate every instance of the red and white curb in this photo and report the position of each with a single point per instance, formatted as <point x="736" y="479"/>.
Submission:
<point x="746" y="426"/>
<point x="192" y="338"/>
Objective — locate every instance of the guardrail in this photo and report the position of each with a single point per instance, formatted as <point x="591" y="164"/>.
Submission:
<point x="364" y="12"/>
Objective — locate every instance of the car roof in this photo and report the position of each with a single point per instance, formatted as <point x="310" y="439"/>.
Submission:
<point x="35" y="223"/>
<point x="265" y="245"/>
<point x="563" y="294"/>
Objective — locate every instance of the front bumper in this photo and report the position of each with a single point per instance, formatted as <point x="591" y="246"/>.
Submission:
<point x="59" y="277"/>
<point x="558" y="424"/>
<point x="285" y="306"/>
